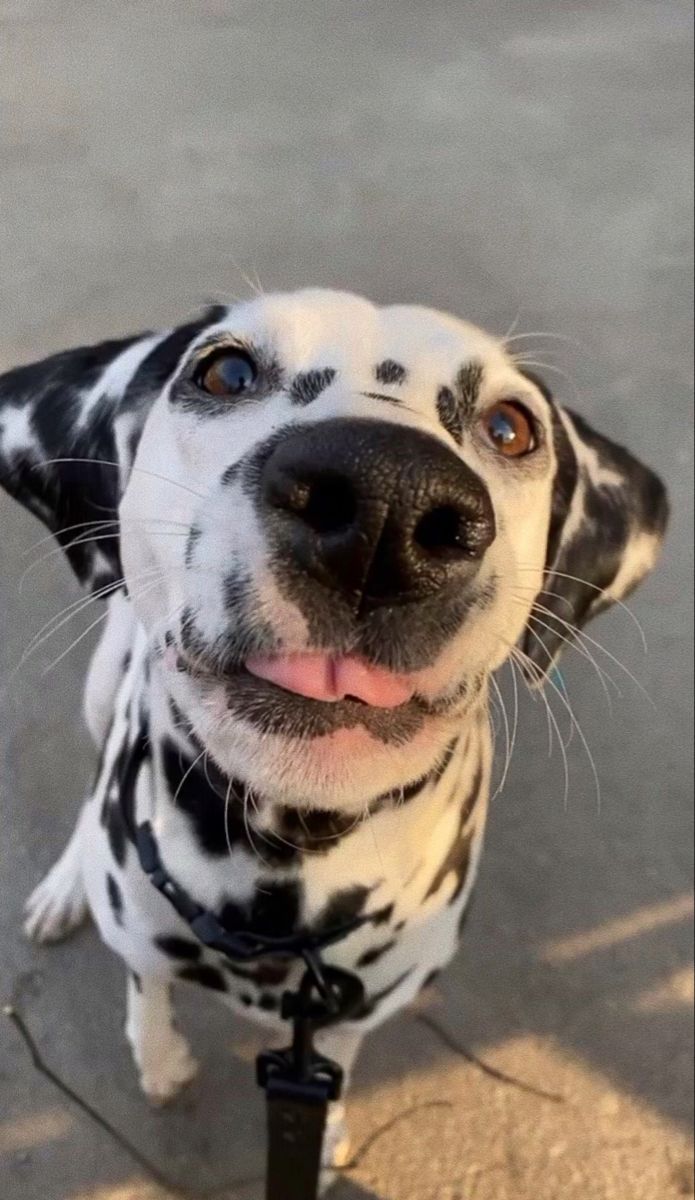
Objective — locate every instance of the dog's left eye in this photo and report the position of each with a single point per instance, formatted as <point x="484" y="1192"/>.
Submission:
<point x="227" y="373"/>
<point x="511" y="429"/>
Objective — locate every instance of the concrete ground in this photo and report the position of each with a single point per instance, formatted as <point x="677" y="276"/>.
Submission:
<point x="522" y="162"/>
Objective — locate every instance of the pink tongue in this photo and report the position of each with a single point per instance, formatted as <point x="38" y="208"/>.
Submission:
<point x="321" y="677"/>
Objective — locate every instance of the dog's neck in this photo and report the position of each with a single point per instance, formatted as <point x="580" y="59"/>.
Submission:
<point x="218" y="835"/>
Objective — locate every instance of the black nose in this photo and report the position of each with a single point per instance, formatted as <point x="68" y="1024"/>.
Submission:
<point x="377" y="511"/>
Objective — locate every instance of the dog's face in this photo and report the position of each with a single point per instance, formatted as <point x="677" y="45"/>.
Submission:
<point x="336" y="524"/>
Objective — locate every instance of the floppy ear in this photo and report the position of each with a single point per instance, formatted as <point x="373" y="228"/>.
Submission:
<point x="607" y="526"/>
<point x="69" y="431"/>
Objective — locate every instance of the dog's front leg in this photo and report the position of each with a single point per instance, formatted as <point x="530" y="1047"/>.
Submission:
<point x="342" y="1045"/>
<point x="161" y="1053"/>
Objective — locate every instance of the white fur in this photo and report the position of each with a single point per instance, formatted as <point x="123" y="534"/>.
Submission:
<point x="395" y="852"/>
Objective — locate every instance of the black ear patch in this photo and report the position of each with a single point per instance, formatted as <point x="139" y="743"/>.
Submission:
<point x="67" y="443"/>
<point x="608" y="520"/>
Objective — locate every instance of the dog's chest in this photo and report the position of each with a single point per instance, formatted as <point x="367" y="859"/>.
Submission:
<point x="401" y="873"/>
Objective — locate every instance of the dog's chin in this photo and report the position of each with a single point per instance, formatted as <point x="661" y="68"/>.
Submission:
<point x="343" y="752"/>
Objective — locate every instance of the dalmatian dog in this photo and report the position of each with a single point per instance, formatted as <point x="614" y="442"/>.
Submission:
<point x="320" y="527"/>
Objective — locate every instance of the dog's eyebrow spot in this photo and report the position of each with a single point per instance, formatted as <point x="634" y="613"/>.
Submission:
<point x="308" y="385"/>
<point x="456" y="405"/>
<point x="390" y="371"/>
<point x="231" y="474"/>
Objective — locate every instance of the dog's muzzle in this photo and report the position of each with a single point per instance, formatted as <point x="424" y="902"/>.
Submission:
<point x="378" y="513"/>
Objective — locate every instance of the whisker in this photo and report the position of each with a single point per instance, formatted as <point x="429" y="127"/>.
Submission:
<point x="74" y="609"/>
<point x="86" y="540"/>
<point x="583" y="637"/>
<point x="552" y="720"/>
<point x="595" y="588"/>
<point x="542" y="333"/>
<point x="89" y="629"/>
<point x="99" y="524"/>
<point x="546" y="366"/>
<point x="573" y="644"/>
<point x="507" y="737"/>
<point x="564" y="700"/>
<point x="186" y="776"/>
<point x="249" y="798"/>
<point x="103" y="462"/>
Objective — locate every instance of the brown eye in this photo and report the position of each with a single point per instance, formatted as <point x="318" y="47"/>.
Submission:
<point x="229" y="373"/>
<point x="510" y="429"/>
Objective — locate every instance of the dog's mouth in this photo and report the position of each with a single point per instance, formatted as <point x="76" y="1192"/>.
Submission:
<point x="314" y="694"/>
<point x="333" y="678"/>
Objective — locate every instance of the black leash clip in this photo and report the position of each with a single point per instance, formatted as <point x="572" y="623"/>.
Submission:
<point x="326" y="995"/>
<point x="300" y="1083"/>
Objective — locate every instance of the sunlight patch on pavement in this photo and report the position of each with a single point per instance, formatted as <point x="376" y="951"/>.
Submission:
<point x="25" y="1133"/>
<point x="603" y="937"/>
<point x="675" y="994"/>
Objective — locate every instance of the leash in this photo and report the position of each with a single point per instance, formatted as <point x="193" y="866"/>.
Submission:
<point x="298" y="1082"/>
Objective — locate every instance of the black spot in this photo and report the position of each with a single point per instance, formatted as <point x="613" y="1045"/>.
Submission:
<point x="273" y="912"/>
<point x="275" y="908"/>
<point x="456" y="406"/>
<point x="178" y="947"/>
<point x="268" y="1002"/>
<point x="382" y="916"/>
<point x="372" y="956"/>
<point x="431" y="978"/>
<point x="193" y="538"/>
<point x="457" y="861"/>
<point x="115" y="899"/>
<point x="443" y="766"/>
<point x="206" y="976"/>
<point x="246" y="1000"/>
<point x="390" y="372"/>
<point x="216" y="823"/>
<point x="463" y="919"/>
<point x="472" y="797"/>
<point x="236" y="590"/>
<point x="313" y="830"/>
<point x="112" y="819"/>
<point x="126" y="774"/>
<point x="310" y="384"/>
<point x="343" y="908"/>
<point x="400" y="795"/>
<point x="272" y="972"/>
<point x="268" y="973"/>
<point x="372" y="1003"/>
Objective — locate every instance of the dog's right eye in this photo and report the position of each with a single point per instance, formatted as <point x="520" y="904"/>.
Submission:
<point x="227" y="373"/>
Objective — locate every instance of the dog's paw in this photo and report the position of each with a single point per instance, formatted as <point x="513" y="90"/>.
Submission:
<point x="57" y="907"/>
<point x="174" y="1069"/>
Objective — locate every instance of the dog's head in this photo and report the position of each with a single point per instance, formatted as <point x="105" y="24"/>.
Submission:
<point x="335" y="520"/>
